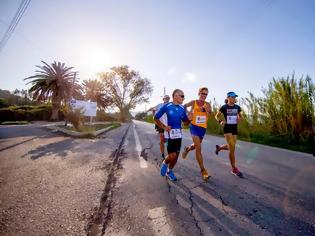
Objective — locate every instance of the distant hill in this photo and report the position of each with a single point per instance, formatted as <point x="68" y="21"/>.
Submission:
<point x="13" y="99"/>
<point x="7" y="94"/>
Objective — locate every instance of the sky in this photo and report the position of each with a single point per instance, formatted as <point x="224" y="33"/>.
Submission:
<point x="225" y="45"/>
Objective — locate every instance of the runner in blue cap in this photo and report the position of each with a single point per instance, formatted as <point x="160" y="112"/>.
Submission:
<point x="232" y="116"/>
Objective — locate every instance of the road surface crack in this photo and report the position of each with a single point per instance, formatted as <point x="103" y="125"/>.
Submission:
<point x="98" y="221"/>
<point x="144" y="154"/>
<point x="191" y="210"/>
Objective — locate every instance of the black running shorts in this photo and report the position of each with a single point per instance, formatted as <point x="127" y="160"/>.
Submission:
<point x="173" y="145"/>
<point x="230" y="129"/>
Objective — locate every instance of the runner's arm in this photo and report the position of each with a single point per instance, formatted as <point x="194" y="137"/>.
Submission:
<point x="188" y="113"/>
<point x="153" y="109"/>
<point x="208" y="108"/>
<point x="161" y="125"/>
<point x="186" y="122"/>
<point x="217" y="117"/>
<point x="157" y="117"/>
<point x="239" y="116"/>
<point x="186" y="119"/>
<point x="189" y="104"/>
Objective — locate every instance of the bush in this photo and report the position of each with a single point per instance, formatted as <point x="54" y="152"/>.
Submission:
<point x="102" y="116"/>
<point x="28" y="113"/>
<point x="75" y="117"/>
<point x="3" y="103"/>
<point x="149" y="118"/>
<point x="214" y="127"/>
<point x="141" y="116"/>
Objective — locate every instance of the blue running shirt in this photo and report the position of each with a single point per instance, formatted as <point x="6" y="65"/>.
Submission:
<point x="175" y="115"/>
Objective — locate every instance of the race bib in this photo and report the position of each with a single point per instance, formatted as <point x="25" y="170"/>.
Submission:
<point x="201" y="120"/>
<point x="231" y="120"/>
<point x="175" y="133"/>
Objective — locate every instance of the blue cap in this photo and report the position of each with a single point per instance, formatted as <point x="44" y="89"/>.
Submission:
<point x="232" y="94"/>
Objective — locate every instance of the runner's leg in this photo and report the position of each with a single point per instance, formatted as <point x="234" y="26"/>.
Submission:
<point x="162" y="141"/>
<point x="197" y="147"/>
<point x="231" y="144"/>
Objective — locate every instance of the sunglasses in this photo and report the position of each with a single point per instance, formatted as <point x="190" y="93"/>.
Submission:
<point x="182" y="96"/>
<point x="205" y="94"/>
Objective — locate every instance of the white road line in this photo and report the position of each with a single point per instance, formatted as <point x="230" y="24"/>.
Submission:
<point x="159" y="221"/>
<point x="126" y="143"/>
<point x="143" y="163"/>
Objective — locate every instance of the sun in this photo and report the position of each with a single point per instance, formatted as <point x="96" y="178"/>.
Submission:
<point x="95" y="59"/>
<point x="98" y="60"/>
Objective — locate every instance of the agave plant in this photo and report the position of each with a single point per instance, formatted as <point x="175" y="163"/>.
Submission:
<point x="56" y="83"/>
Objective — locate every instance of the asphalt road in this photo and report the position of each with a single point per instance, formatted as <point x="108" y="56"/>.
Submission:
<point x="51" y="184"/>
<point x="276" y="197"/>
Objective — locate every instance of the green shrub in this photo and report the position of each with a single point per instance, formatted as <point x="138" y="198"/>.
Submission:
<point x="75" y="117"/>
<point x="149" y="118"/>
<point x="28" y="113"/>
<point x="3" y="103"/>
<point x="102" y="116"/>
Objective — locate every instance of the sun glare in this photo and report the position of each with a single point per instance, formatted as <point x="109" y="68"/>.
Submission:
<point x="97" y="59"/>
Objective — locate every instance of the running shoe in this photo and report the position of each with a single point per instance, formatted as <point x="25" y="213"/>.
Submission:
<point x="171" y="175"/>
<point x="163" y="168"/>
<point x="185" y="152"/>
<point x="162" y="156"/>
<point x="236" y="172"/>
<point x="217" y="149"/>
<point x="205" y="174"/>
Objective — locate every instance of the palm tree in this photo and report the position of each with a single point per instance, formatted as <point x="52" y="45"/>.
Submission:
<point x="95" y="91"/>
<point x="24" y="95"/>
<point x="56" y="83"/>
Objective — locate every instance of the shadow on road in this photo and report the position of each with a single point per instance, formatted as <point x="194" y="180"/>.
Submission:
<point x="14" y="145"/>
<point x="57" y="148"/>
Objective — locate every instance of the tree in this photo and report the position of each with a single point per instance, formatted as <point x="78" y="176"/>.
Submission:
<point x="56" y="83"/>
<point x="96" y="91"/>
<point x="16" y="94"/>
<point x="24" y="94"/>
<point x="141" y="115"/>
<point x="127" y="89"/>
<point x="3" y="103"/>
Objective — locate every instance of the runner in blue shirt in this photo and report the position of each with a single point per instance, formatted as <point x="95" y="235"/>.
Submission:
<point x="175" y="113"/>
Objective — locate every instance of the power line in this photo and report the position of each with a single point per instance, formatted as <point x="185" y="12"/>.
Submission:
<point x="13" y="24"/>
<point x="17" y="17"/>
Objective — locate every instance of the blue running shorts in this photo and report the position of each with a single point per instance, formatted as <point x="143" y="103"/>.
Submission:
<point x="197" y="131"/>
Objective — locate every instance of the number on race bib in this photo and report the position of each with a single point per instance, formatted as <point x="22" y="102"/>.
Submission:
<point x="201" y="120"/>
<point x="175" y="133"/>
<point x="231" y="120"/>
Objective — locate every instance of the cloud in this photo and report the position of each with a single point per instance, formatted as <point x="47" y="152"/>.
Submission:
<point x="190" y="77"/>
